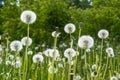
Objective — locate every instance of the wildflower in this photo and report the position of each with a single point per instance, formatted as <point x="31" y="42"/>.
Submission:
<point x="69" y="53"/>
<point x="113" y="78"/>
<point x="77" y="77"/>
<point x="94" y="66"/>
<point x="56" y="53"/>
<point x="17" y="64"/>
<point x="50" y="70"/>
<point x="94" y="74"/>
<point x="85" y="42"/>
<point x="8" y="62"/>
<point x="28" y="17"/>
<point x="103" y="34"/>
<point x="37" y="58"/>
<point x="69" y="28"/>
<point x="47" y="52"/>
<point x="55" y="34"/>
<point x="11" y="57"/>
<point x="16" y="45"/>
<point x="30" y="52"/>
<point x="87" y="50"/>
<point x="24" y="41"/>
<point x="110" y="52"/>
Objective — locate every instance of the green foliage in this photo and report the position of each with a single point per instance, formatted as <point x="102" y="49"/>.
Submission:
<point x="57" y="13"/>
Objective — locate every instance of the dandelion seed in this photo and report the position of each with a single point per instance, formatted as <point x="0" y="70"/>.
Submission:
<point x="103" y="34"/>
<point x="69" y="28"/>
<point x="11" y="57"/>
<point x="24" y="41"/>
<point x="37" y="58"/>
<point x="55" y="34"/>
<point x="110" y="52"/>
<point x="52" y="52"/>
<point x="85" y="42"/>
<point x="77" y="77"/>
<point x="47" y="52"/>
<point x="28" y="17"/>
<point x="8" y="62"/>
<point x="88" y="50"/>
<point x="94" y="66"/>
<point x="113" y="78"/>
<point x="16" y="45"/>
<point x="30" y="52"/>
<point x="17" y="64"/>
<point x="94" y="74"/>
<point x="69" y="53"/>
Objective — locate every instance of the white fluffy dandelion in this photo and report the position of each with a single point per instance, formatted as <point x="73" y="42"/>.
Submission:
<point x="37" y="58"/>
<point x="103" y="34"/>
<point x="55" y="34"/>
<point x="56" y="53"/>
<point x="16" y="45"/>
<point x="85" y="42"/>
<point x="69" y="28"/>
<point x="113" y="78"/>
<point x="30" y="52"/>
<point x="69" y="53"/>
<point x="28" y="17"/>
<point x="47" y="52"/>
<point x="94" y="66"/>
<point x="24" y="41"/>
<point x="17" y="64"/>
<point x="94" y="74"/>
<point x="110" y="52"/>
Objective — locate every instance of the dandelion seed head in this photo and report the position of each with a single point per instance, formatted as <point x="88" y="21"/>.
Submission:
<point x="28" y="17"/>
<point x="8" y="62"/>
<point x="16" y="45"/>
<point x="113" y="78"/>
<point x="69" y="28"/>
<point x="103" y="34"/>
<point x="30" y="52"/>
<point x="85" y="42"/>
<point x="94" y="66"/>
<point x="24" y="41"/>
<point x="94" y="74"/>
<point x="52" y="52"/>
<point x="110" y="52"/>
<point x="11" y="57"/>
<point x="47" y="52"/>
<point x="55" y="34"/>
<point x="77" y="77"/>
<point x="69" y="53"/>
<point x="17" y="64"/>
<point x="37" y="58"/>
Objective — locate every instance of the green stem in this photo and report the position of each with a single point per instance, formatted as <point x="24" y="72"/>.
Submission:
<point x="74" y="70"/>
<point x="101" y="53"/>
<point x="105" y="69"/>
<point x="26" y="57"/>
<point x="53" y="59"/>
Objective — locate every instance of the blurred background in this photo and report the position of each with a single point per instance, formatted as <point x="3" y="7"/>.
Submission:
<point x="55" y="14"/>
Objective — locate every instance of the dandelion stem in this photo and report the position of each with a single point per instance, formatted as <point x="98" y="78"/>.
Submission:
<point x="53" y="60"/>
<point x="74" y="71"/>
<point x="26" y="57"/>
<point x="105" y="69"/>
<point x="101" y="53"/>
